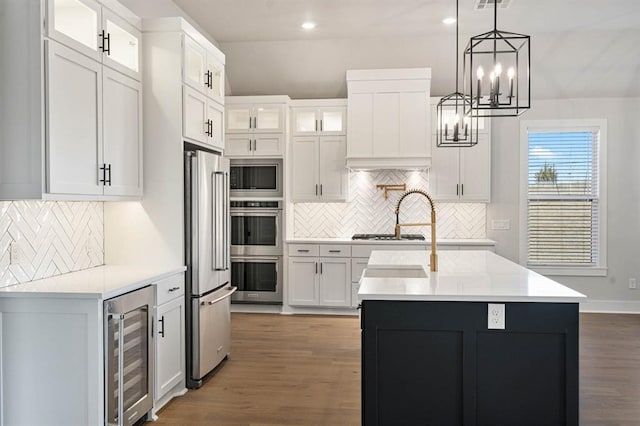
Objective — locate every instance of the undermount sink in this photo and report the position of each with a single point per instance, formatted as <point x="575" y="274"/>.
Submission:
<point x="394" y="273"/>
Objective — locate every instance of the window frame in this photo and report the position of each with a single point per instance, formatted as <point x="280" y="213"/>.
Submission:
<point x="550" y="126"/>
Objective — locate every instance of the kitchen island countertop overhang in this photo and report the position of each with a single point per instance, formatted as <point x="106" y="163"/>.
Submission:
<point x="464" y="275"/>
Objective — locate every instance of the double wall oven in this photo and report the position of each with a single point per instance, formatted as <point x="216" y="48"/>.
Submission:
<point x="256" y="231"/>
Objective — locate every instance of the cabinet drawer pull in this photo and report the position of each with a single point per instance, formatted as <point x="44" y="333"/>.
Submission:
<point x="172" y="289"/>
<point x="335" y="251"/>
<point x="303" y="251"/>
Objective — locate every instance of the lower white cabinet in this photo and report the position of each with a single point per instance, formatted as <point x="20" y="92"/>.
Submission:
<point x="169" y="329"/>
<point x="319" y="281"/>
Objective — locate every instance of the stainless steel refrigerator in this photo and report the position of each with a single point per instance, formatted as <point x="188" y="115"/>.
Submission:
<point x="208" y="288"/>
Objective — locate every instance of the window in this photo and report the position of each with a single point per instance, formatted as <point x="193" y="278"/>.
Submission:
<point x="563" y="200"/>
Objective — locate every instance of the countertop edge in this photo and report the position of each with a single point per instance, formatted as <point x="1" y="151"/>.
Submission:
<point x="144" y="279"/>
<point x="442" y="242"/>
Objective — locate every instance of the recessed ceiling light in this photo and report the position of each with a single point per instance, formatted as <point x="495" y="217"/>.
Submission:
<point x="309" y="25"/>
<point x="449" y="21"/>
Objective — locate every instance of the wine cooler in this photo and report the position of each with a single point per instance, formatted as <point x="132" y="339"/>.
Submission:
<point x="128" y="357"/>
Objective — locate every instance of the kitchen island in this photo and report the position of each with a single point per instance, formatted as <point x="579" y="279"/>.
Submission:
<point x="483" y="341"/>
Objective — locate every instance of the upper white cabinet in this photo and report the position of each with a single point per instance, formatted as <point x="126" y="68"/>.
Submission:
<point x="79" y="122"/>
<point x="202" y="118"/>
<point x="318" y="169"/>
<point x="462" y="174"/>
<point x="256" y="125"/>
<point x="309" y="120"/>
<point x="388" y="118"/>
<point x="265" y="118"/>
<point x="203" y="70"/>
<point x="98" y="32"/>
<point x="187" y="84"/>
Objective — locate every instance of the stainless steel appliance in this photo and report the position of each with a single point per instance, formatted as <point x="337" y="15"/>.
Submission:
<point x="256" y="228"/>
<point x="256" y="251"/>
<point x="258" y="279"/>
<point x="256" y="178"/>
<point x="128" y="357"/>
<point x="208" y="288"/>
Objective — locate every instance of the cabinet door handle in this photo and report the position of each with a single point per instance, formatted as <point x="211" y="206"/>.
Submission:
<point x="250" y="122"/>
<point x="206" y="79"/>
<point x="161" y="332"/>
<point x="316" y="189"/>
<point x="255" y="122"/>
<point x="109" y="170"/>
<point x="320" y="125"/>
<point x="462" y="189"/>
<point x="316" y="268"/>
<point x="457" y="189"/>
<point x="102" y="34"/>
<point x="103" y="169"/>
<point x="316" y="125"/>
<point x="249" y="144"/>
<point x="108" y="40"/>
<point x="320" y="268"/>
<point x="320" y="189"/>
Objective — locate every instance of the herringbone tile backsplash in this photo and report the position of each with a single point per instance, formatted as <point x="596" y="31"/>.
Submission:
<point x="369" y="212"/>
<point x="49" y="238"/>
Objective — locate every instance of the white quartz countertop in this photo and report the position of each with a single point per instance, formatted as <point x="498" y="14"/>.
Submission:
<point x="465" y="275"/>
<point x="102" y="282"/>
<point x="440" y="242"/>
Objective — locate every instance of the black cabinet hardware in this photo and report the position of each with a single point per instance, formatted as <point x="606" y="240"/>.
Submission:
<point x="161" y="321"/>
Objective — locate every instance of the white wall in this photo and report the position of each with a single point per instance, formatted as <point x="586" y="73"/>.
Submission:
<point x="623" y="189"/>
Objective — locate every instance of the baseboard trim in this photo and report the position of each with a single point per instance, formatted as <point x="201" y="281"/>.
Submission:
<point x="611" y="306"/>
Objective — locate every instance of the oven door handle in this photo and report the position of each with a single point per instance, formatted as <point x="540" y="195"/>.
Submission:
<point x="255" y="259"/>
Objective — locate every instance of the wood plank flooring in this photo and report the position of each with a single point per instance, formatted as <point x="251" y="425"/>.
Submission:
<point x="305" y="370"/>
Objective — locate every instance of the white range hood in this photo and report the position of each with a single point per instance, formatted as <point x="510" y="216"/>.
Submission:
<point x="389" y="119"/>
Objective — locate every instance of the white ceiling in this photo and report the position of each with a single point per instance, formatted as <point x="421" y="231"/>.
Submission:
<point x="580" y="48"/>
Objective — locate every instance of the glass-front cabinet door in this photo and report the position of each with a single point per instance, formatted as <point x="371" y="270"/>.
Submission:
<point x="121" y="45"/>
<point x="215" y="79"/>
<point x="320" y="121"/>
<point x="239" y="118"/>
<point x="268" y="118"/>
<point x="332" y="120"/>
<point x="76" y="24"/>
<point x="195" y="64"/>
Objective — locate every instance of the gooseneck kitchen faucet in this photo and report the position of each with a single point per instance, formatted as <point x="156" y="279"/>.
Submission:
<point x="432" y="224"/>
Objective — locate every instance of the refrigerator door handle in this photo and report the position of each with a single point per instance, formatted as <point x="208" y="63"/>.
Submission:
<point x="227" y="224"/>
<point x="219" y="232"/>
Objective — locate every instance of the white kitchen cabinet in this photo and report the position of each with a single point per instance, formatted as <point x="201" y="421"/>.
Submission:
<point x="98" y="32"/>
<point x="324" y="120"/>
<point x="318" y="169"/>
<point x="388" y="116"/>
<point x="95" y="127"/>
<point x="122" y="134"/>
<point x="202" y="119"/>
<point x="261" y="118"/>
<point x="170" y="340"/>
<point x="79" y="120"/>
<point x="250" y="145"/>
<point x="203" y="70"/>
<point x="74" y="122"/>
<point x="319" y="281"/>
<point x="462" y="174"/>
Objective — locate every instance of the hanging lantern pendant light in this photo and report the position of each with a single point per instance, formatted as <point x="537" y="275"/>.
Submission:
<point x="458" y="129"/>
<point x="496" y="50"/>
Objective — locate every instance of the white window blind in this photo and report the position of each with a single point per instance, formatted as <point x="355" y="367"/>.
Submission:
<point x="562" y="201"/>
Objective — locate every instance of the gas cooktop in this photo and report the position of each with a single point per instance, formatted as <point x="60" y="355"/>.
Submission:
<point x="387" y="237"/>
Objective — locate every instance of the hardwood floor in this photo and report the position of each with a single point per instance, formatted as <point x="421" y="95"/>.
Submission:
<point x="305" y="370"/>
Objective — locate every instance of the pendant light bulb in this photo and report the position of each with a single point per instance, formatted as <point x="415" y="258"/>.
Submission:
<point x="492" y="77"/>
<point x="511" y="73"/>
<point x="498" y="69"/>
<point x="480" y="73"/>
